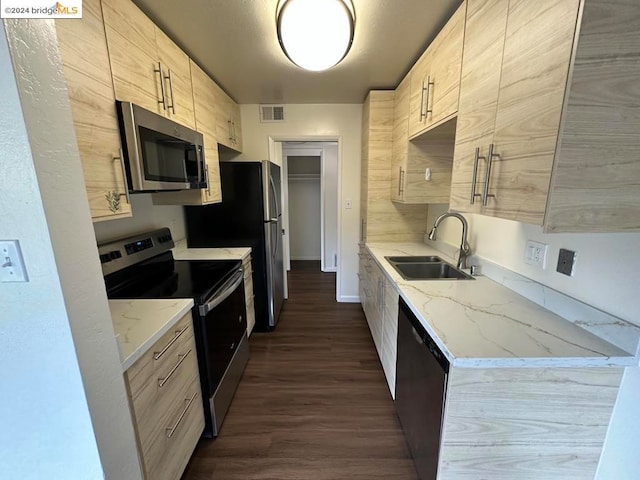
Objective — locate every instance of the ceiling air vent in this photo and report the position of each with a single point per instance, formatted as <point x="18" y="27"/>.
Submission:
<point x="271" y="113"/>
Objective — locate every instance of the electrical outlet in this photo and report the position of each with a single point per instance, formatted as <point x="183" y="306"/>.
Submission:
<point x="536" y="254"/>
<point x="348" y="204"/>
<point x="566" y="262"/>
<point x="427" y="174"/>
<point x="11" y="263"/>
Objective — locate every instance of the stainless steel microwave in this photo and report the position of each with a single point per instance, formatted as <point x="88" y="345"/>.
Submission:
<point x="160" y="154"/>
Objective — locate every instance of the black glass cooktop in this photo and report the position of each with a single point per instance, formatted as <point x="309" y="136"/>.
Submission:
<point x="163" y="277"/>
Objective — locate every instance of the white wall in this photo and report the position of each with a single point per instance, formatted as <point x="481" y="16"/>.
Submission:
<point x="64" y="408"/>
<point x="146" y="216"/>
<point x="304" y="219"/>
<point x="604" y="276"/>
<point x="320" y="122"/>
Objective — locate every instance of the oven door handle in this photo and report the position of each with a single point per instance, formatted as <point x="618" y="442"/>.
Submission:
<point x="221" y="295"/>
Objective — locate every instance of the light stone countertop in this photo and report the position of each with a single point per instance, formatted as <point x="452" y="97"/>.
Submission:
<point x="139" y="324"/>
<point x="181" y="252"/>
<point x="480" y="323"/>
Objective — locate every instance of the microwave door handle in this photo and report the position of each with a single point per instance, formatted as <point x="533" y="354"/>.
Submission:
<point x="202" y="168"/>
<point x="221" y="295"/>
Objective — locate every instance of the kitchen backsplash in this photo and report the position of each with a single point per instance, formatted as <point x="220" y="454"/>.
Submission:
<point x="146" y="216"/>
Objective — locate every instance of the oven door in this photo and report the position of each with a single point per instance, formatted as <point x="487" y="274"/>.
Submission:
<point x="222" y="348"/>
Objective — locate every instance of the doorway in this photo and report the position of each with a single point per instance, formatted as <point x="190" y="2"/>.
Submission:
<point x="310" y="211"/>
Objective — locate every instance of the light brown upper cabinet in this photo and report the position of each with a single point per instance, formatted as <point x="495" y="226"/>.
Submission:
<point x="148" y="68"/>
<point x="435" y="78"/>
<point x="204" y="100"/>
<point x="83" y="49"/>
<point x="178" y="86"/>
<point x="420" y="168"/>
<point x="229" y="125"/>
<point x="548" y="104"/>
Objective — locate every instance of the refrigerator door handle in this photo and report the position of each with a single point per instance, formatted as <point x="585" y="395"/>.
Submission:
<point x="275" y="247"/>
<point x="275" y="198"/>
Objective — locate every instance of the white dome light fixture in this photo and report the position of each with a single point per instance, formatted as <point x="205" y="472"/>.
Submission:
<point x="315" y="34"/>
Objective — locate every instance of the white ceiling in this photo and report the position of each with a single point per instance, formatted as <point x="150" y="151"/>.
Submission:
<point x="235" y="41"/>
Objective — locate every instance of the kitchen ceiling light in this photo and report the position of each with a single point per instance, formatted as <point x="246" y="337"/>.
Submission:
<point x="315" y="34"/>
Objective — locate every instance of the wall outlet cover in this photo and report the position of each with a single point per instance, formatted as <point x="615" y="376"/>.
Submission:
<point x="536" y="254"/>
<point x="566" y="261"/>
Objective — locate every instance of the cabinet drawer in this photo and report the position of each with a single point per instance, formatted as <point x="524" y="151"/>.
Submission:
<point x="178" y="432"/>
<point x="157" y="361"/>
<point x="158" y="395"/>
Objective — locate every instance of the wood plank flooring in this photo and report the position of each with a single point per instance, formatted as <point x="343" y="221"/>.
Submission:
<point x="313" y="402"/>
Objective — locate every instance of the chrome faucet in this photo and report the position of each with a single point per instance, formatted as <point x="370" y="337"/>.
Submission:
<point x="465" y="250"/>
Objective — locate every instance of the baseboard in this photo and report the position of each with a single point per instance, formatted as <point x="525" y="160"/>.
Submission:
<point x="317" y="259"/>
<point x="330" y="269"/>
<point x="348" y="299"/>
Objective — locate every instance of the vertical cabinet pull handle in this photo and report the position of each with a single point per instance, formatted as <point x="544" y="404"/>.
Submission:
<point x="401" y="184"/>
<point x="476" y="158"/>
<point x="422" y="114"/>
<point x="485" y="194"/>
<point x="171" y="430"/>
<point x="430" y="84"/>
<point x="230" y="132"/>
<point x="363" y="223"/>
<point x="173" y="97"/>
<point x="124" y="177"/>
<point x="162" y="91"/>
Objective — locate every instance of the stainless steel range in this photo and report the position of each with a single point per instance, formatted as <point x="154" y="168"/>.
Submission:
<point x="143" y="266"/>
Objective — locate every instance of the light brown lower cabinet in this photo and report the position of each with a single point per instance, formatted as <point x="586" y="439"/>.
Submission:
<point x="165" y="399"/>
<point x="379" y="301"/>
<point x="526" y="423"/>
<point x="248" y="294"/>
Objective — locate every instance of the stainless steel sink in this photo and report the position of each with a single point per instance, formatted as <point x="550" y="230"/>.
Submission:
<point x="416" y="259"/>
<point x="412" y="268"/>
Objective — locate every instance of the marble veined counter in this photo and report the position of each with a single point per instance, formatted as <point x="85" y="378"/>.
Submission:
<point x="139" y="324"/>
<point x="181" y="252"/>
<point x="480" y="323"/>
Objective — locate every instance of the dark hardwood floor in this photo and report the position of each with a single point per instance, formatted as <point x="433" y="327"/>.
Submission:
<point x="313" y="402"/>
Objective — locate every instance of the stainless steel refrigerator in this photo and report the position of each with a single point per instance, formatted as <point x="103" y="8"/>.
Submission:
<point x="250" y="215"/>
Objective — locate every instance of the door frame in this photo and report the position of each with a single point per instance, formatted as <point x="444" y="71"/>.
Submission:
<point x="276" y="156"/>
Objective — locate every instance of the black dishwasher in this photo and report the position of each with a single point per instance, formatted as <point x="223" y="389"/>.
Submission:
<point x="421" y="379"/>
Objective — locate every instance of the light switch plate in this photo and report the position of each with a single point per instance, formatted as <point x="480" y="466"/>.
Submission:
<point x="536" y="254"/>
<point x="11" y="263"/>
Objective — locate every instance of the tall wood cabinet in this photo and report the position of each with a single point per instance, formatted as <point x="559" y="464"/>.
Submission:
<point x="435" y="78"/>
<point x="148" y="68"/>
<point x="381" y="219"/>
<point x="546" y="113"/>
<point x="83" y="49"/>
